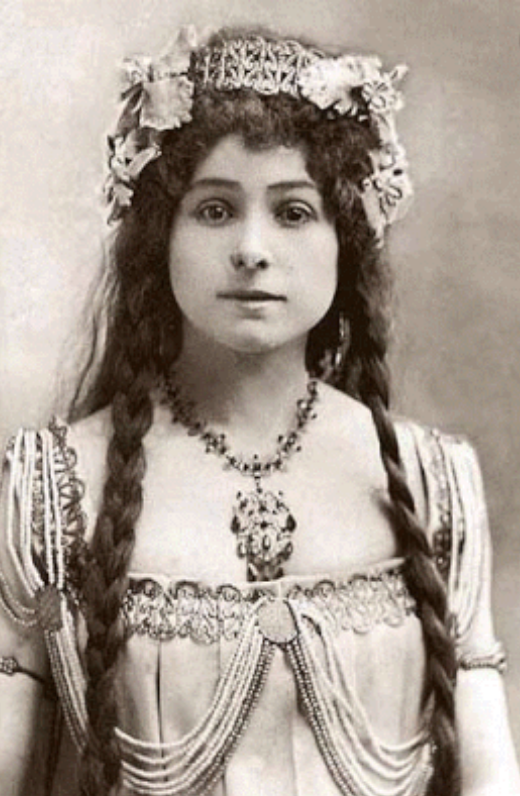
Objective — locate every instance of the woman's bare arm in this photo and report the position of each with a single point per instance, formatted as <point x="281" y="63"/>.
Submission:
<point x="21" y="694"/>
<point x="20" y="702"/>
<point x="489" y="767"/>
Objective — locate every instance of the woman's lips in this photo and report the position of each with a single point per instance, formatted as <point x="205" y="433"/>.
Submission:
<point x="251" y="295"/>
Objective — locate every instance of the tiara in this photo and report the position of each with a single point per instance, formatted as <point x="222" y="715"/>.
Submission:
<point x="157" y="95"/>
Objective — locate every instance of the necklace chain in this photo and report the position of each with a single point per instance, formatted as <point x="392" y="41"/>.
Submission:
<point x="262" y="522"/>
<point x="183" y="412"/>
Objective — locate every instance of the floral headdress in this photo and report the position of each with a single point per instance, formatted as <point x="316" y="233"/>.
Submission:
<point x="158" y="95"/>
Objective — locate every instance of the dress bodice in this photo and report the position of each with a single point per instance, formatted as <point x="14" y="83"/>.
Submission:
<point x="359" y="630"/>
<point x="295" y="686"/>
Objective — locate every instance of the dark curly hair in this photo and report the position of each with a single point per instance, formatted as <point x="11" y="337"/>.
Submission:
<point x="144" y="336"/>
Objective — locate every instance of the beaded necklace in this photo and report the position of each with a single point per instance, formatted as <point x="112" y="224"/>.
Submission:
<point x="261" y="520"/>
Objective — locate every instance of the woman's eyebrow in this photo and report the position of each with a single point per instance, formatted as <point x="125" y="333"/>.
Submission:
<point x="221" y="182"/>
<point x="214" y="182"/>
<point x="289" y="185"/>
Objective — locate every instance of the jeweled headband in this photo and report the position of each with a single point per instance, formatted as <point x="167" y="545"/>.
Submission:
<point x="157" y="96"/>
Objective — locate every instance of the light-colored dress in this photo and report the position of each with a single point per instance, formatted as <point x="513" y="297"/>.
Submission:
<point x="295" y="687"/>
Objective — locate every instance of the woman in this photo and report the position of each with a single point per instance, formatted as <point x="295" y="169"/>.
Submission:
<point x="242" y="574"/>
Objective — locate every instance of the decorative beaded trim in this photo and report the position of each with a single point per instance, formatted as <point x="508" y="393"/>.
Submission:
<point x="71" y="490"/>
<point x="187" y="609"/>
<point x="496" y="658"/>
<point x="442" y="537"/>
<point x="63" y="515"/>
<point x="10" y="666"/>
<point x="49" y="533"/>
<point x="449" y="508"/>
<point x="45" y="528"/>
<point x="254" y="63"/>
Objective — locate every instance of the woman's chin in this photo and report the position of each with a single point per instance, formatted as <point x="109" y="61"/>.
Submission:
<point x="263" y="345"/>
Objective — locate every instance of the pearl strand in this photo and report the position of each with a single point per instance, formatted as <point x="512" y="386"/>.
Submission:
<point x="17" y="484"/>
<point x="343" y="765"/>
<point x="48" y="524"/>
<point x="60" y="680"/>
<point x="202" y="741"/>
<point x="14" y="608"/>
<point x="244" y="656"/>
<point x="346" y="706"/>
<point x="225" y="728"/>
<point x="57" y="541"/>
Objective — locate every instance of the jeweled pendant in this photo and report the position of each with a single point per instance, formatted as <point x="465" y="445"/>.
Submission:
<point x="263" y="525"/>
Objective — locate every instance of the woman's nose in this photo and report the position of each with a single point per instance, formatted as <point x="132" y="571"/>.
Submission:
<point x="251" y="251"/>
<point x="249" y="261"/>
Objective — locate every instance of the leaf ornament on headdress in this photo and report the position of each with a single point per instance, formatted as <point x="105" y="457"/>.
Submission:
<point x="156" y="96"/>
<point x="357" y="86"/>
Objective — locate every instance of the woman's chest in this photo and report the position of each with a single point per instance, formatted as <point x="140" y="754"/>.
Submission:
<point x="201" y="520"/>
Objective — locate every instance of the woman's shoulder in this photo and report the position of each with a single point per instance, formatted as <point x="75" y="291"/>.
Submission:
<point x="344" y="412"/>
<point x="347" y="418"/>
<point x="92" y="431"/>
<point x="437" y="463"/>
<point x="345" y="421"/>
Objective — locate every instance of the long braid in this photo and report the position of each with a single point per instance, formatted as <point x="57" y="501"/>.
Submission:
<point x="112" y="545"/>
<point x="369" y="333"/>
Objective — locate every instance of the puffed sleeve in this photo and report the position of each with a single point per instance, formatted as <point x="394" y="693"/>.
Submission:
<point x="458" y="529"/>
<point x="27" y="509"/>
<point x="41" y="539"/>
<point x="469" y="584"/>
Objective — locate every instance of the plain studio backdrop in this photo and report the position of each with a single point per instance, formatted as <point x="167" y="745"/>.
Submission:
<point x="456" y="353"/>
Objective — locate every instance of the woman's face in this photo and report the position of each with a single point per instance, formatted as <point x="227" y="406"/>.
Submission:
<point x="253" y="257"/>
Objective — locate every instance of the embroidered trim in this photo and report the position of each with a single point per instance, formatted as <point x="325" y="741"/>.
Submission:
<point x="10" y="666"/>
<point x="442" y="537"/>
<point x="71" y="490"/>
<point x="204" y="614"/>
<point x="360" y="603"/>
<point x="495" y="658"/>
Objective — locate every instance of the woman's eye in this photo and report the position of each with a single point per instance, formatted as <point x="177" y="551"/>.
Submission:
<point x="295" y="214"/>
<point x="214" y="213"/>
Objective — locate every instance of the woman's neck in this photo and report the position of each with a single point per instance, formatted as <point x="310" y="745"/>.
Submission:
<point x="250" y="397"/>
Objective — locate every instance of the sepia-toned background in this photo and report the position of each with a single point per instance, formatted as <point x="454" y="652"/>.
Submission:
<point x="456" y="357"/>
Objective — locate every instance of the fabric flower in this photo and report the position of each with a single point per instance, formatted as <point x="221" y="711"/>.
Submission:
<point x="158" y="95"/>
<point x="395" y="193"/>
<point x="118" y="157"/>
<point x="393" y="184"/>
<point x="166" y="104"/>
<point x="134" y="71"/>
<point x="142" y="159"/>
<point x="118" y="196"/>
<point x="174" y="61"/>
<point x="380" y="93"/>
<point x="329" y="82"/>
<point x="387" y="193"/>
